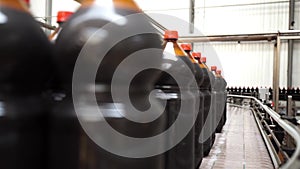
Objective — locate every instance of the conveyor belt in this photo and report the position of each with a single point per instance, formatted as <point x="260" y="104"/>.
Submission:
<point x="240" y="145"/>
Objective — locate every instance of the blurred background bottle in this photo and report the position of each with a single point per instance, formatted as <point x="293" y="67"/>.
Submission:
<point x="24" y="75"/>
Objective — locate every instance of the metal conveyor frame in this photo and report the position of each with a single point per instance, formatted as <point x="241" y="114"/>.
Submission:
<point x="291" y="129"/>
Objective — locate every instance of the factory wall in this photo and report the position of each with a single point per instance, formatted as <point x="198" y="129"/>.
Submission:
<point x="243" y="64"/>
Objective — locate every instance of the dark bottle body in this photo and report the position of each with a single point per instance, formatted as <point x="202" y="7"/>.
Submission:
<point x="202" y="114"/>
<point x="25" y="71"/>
<point x="83" y="152"/>
<point x="202" y="86"/>
<point x="220" y="86"/>
<point x="208" y="108"/>
<point x="206" y="88"/>
<point x="182" y="155"/>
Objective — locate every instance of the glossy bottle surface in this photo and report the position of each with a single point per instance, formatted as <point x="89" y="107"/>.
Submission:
<point x="92" y="17"/>
<point x="224" y="95"/>
<point x="24" y="74"/>
<point x="207" y="102"/>
<point x="177" y="62"/>
<point x="202" y="115"/>
<point x="220" y="99"/>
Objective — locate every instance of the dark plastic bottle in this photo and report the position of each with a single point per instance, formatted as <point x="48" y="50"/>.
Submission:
<point x="293" y="91"/>
<point x="71" y="146"/>
<point x="249" y="91"/>
<point x="182" y="155"/>
<point x="271" y="93"/>
<point x="206" y="91"/>
<point x="289" y="91"/>
<point x="256" y="93"/>
<point x="209" y="143"/>
<point x="219" y="98"/>
<point x="199" y="76"/>
<point x="236" y="91"/>
<point x="24" y="72"/>
<point x="240" y="90"/>
<point x="244" y="91"/>
<point x="224" y="94"/>
<point x="297" y="94"/>
<point x="282" y="95"/>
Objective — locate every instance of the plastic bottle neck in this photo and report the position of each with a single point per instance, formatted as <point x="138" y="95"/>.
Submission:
<point x="188" y="52"/>
<point x="214" y="72"/>
<point x="178" y="51"/>
<point x="217" y="74"/>
<point x="202" y="66"/>
<point x="15" y="4"/>
<point x="124" y="4"/>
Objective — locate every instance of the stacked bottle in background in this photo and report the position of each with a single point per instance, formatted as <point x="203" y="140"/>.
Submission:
<point x="24" y="72"/>
<point x="199" y="77"/>
<point x="74" y="147"/>
<point x="206" y="90"/>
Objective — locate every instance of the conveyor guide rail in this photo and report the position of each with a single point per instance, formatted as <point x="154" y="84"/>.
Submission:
<point x="293" y="162"/>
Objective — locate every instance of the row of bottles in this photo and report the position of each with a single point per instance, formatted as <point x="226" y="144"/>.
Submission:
<point x="284" y="93"/>
<point x="289" y="91"/>
<point x="40" y="126"/>
<point x="254" y="91"/>
<point x="243" y="91"/>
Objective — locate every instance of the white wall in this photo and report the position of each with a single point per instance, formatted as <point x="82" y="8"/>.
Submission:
<point x="247" y="64"/>
<point x="37" y="8"/>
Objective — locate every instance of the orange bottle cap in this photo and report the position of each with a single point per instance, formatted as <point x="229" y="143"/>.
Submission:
<point x="196" y="55"/>
<point x="203" y="59"/>
<point x="63" y="16"/>
<point x="169" y="34"/>
<point x="186" y="46"/>
<point x="214" y="68"/>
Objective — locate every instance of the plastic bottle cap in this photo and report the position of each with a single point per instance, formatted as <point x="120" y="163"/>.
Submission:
<point x="63" y="16"/>
<point x="203" y="59"/>
<point x="27" y="1"/>
<point x="169" y="34"/>
<point x="219" y="71"/>
<point x="196" y="55"/>
<point x="214" y="68"/>
<point x="186" y="46"/>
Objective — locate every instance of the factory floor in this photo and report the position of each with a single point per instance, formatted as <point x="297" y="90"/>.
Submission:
<point x="240" y="145"/>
